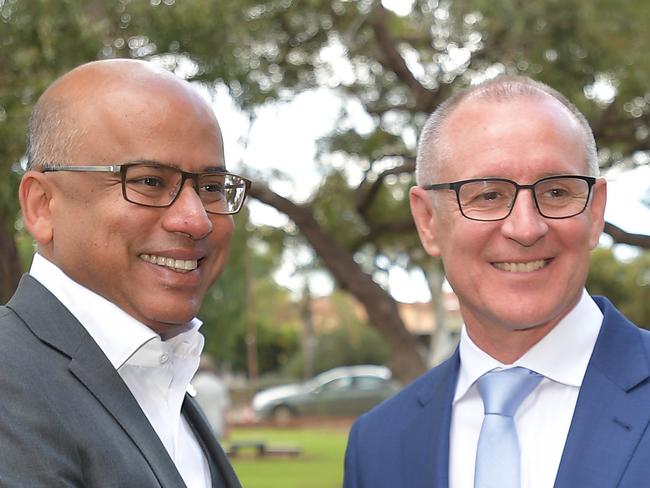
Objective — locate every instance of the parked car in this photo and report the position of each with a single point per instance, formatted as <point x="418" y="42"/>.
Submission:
<point x="343" y="391"/>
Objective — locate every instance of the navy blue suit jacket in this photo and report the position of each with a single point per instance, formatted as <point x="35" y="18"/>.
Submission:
<point x="404" y="442"/>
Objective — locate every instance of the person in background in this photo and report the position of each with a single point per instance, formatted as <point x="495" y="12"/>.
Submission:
<point x="130" y="204"/>
<point x="549" y="387"/>
<point x="212" y="395"/>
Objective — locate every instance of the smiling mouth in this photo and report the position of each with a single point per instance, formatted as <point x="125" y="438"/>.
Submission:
<point x="180" y="265"/>
<point x="527" y="267"/>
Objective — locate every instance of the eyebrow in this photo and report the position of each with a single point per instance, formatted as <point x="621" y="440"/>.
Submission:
<point x="207" y="169"/>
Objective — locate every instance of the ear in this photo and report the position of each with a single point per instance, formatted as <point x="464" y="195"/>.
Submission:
<point x="597" y="210"/>
<point x="35" y="194"/>
<point x="424" y="217"/>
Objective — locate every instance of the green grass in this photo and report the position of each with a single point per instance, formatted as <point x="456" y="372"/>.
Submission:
<point x="319" y="465"/>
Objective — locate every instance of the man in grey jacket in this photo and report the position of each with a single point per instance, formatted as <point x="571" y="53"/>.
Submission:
<point x="129" y="202"/>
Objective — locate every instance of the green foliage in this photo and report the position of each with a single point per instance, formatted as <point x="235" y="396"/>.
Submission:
<point x="224" y="308"/>
<point x="349" y="341"/>
<point x="275" y="345"/>
<point x="38" y="42"/>
<point x="258" y="48"/>
<point x="355" y="343"/>
<point x="334" y="208"/>
<point x="626" y="284"/>
<point x="246" y="297"/>
<point x="571" y="45"/>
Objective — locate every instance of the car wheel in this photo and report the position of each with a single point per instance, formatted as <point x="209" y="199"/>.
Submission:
<point x="283" y="415"/>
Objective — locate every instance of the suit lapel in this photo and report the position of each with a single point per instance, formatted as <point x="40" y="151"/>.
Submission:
<point x="425" y="441"/>
<point x="612" y="409"/>
<point x="55" y="325"/>
<point x="221" y="472"/>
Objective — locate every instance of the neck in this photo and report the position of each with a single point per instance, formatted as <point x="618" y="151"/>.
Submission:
<point x="506" y="345"/>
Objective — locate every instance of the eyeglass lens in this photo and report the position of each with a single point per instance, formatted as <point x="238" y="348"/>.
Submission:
<point x="157" y="186"/>
<point x="493" y="199"/>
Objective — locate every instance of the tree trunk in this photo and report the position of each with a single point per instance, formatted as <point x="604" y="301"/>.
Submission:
<point x="406" y="360"/>
<point x="9" y="264"/>
<point x="308" y="334"/>
<point x="441" y="345"/>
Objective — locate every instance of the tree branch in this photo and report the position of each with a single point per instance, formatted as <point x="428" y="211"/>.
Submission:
<point x="365" y="194"/>
<point x="425" y="99"/>
<point x="622" y="237"/>
<point x="395" y="227"/>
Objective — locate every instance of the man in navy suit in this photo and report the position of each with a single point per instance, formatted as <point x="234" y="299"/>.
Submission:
<point x="129" y="202"/>
<point x="509" y="197"/>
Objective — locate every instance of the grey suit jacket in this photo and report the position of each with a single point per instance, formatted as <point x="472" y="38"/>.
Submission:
<point x="67" y="418"/>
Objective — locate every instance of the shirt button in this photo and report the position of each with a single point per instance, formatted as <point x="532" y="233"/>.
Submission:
<point x="164" y="357"/>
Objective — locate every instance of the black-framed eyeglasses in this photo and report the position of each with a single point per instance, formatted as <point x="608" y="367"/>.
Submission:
<point x="490" y="199"/>
<point x="158" y="185"/>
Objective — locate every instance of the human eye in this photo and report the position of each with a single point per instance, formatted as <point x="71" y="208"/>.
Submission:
<point x="212" y="186"/>
<point x="485" y="193"/>
<point x="489" y="195"/>
<point x="212" y="189"/>
<point x="558" y="191"/>
<point x="148" y="179"/>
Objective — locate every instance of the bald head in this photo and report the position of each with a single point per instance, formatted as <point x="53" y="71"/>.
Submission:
<point x="97" y="95"/>
<point x="433" y="149"/>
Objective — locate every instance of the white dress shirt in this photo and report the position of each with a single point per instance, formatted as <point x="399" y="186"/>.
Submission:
<point x="544" y="417"/>
<point x="157" y="372"/>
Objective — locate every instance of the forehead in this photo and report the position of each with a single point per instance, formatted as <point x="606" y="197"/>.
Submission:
<point x="520" y="138"/>
<point x="166" y="124"/>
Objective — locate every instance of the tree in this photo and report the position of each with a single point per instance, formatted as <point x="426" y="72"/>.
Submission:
<point x="350" y="342"/>
<point x="626" y="284"/>
<point x="396" y="68"/>
<point x="38" y="42"/>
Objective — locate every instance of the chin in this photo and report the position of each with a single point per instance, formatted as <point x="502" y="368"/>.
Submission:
<point x="161" y="319"/>
<point x="167" y="330"/>
<point x="526" y="321"/>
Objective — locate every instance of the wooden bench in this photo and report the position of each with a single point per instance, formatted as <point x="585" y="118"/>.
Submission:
<point x="261" y="449"/>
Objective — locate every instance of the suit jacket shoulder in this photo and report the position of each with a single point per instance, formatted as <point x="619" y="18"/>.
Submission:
<point x="608" y="441"/>
<point x="405" y="440"/>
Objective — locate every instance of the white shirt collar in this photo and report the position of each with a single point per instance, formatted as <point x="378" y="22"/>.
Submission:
<point x="119" y="335"/>
<point x="573" y="337"/>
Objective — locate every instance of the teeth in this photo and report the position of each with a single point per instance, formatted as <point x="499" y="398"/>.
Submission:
<point x="182" y="265"/>
<point x="521" y="267"/>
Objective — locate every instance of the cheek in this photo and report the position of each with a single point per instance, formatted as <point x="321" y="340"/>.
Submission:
<point x="579" y="237"/>
<point x="461" y="257"/>
<point x="467" y="239"/>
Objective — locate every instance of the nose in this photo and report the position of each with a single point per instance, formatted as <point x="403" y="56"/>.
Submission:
<point x="187" y="214"/>
<point x="525" y="224"/>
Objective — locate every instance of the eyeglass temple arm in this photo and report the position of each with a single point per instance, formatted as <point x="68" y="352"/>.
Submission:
<point x="440" y="186"/>
<point x="97" y="169"/>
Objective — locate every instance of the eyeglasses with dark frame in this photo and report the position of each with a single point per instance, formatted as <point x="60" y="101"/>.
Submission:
<point x="158" y="185"/>
<point x="492" y="199"/>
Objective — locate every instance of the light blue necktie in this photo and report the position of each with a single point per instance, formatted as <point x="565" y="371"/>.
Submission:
<point x="497" y="454"/>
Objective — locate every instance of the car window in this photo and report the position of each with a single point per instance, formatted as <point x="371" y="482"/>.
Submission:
<point x="337" y="384"/>
<point x="368" y="382"/>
